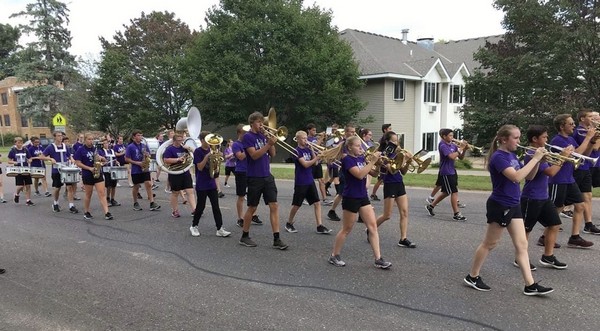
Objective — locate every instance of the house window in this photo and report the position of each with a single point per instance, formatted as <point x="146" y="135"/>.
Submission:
<point x="431" y="92"/>
<point x="24" y="122"/>
<point x="428" y="142"/>
<point x="456" y="94"/>
<point x="4" y="99"/>
<point x="6" y="120"/>
<point x="399" y="89"/>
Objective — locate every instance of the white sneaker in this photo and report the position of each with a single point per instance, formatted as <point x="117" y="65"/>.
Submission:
<point x="168" y="191"/>
<point x="226" y="185"/>
<point x="429" y="200"/>
<point x="194" y="231"/>
<point x="222" y="233"/>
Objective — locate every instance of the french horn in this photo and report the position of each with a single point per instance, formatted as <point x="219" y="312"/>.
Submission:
<point x="193" y="125"/>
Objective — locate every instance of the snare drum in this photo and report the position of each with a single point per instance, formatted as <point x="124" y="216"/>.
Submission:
<point x="69" y="175"/>
<point x="118" y="173"/>
<point x="12" y="171"/>
<point x="25" y="171"/>
<point x="38" y="172"/>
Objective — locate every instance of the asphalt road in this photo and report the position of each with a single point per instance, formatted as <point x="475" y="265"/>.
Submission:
<point x="144" y="271"/>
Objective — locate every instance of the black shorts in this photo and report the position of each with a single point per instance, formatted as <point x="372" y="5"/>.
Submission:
<point x="240" y="183"/>
<point x="92" y="180"/>
<point x="264" y="186"/>
<point x="229" y="170"/>
<point x="393" y="190"/>
<point x="334" y="171"/>
<point x="354" y="204"/>
<point x="108" y="181"/>
<point x="308" y="192"/>
<point x="595" y="176"/>
<point x="542" y="211"/>
<point x="21" y="180"/>
<point x="564" y="194"/>
<point x="438" y="181"/>
<point x="56" y="181"/>
<point x="503" y="215"/>
<point x="583" y="178"/>
<point x="317" y="171"/>
<point x="180" y="182"/>
<point x="339" y="188"/>
<point x="140" y="178"/>
<point x="449" y="184"/>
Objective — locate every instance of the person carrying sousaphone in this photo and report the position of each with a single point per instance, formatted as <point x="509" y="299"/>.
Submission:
<point x="176" y="155"/>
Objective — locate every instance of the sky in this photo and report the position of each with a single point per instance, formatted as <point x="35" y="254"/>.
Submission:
<point x="438" y="19"/>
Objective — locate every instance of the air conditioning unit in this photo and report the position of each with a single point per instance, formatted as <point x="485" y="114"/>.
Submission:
<point x="457" y="109"/>
<point x="433" y="109"/>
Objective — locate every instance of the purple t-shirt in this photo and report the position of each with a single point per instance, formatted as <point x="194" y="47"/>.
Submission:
<point x="60" y="154"/>
<point x="109" y="155"/>
<point x="259" y="167"/>
<point x="229" y="162"/>
<point x="119" y="148"/>
<point x="446" y="163"/>
<point x="354" y="188"/>
<point x="136" y="153"/>
<point x="537" y="188"/>
<point x="585" y="165"/>
<point x="240" y="165"/>
<point x="76" y="146"/>
<point x="35" y="152"/>
<point x="504" y="191"/>
<point x="173" y="152"/>
<point x="303" y="175"/>
<point x="203" y="180"/>
<point x="20" y="156"/>
<point x="86" y="156"/>
<point x="565" y="174"/>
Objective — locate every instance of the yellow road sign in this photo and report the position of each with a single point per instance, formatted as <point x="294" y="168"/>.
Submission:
<point x="59" y="120"/>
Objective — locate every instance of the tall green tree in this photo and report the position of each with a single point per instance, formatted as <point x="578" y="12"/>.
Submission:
<point x="138" y="83"/>
<point x="45" y="63"/>
<point x="258" y="54"/>
<point x="9" y="44"/>
<point x="548" y="63"/>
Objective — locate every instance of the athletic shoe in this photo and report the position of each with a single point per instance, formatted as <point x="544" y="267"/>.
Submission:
<point x="73" y="210"/>
<point x="537" y="289"/>
<point x="55" y="208"/>
<point x="168" y="191"/>
<point x="374" y="197"/>
<point x="461" y="205"/>
<point x="2" y="271"/>
<point x="2" y="200"/>
<point x="381" y="264"/>
<point x="541" y="242"/>
<point x="459" y="217"/>
<point x="278" y="244"/>
<point x="16" y="199"/>
<point x="175" y="214"/>
<point x="139" y="196"/>
<point x="29" y="203"/>
<point x="256" y="220"/>
<point x="154" y="206"/>
<point x="321" y="229"/>
<point x="566" y="214"/>
<point x="290" y="228"/>
<point x="305" y="203"/>
<point x="194" y="231"/>
<point x="531" y="266"/>
<point x="136" y="206"/>
<point x="591" y="228"/>
<point x="227" y="185"/>
<point x="221" y="195"/>
<point x="476" y="283"/>
<point x="430" y="210"/>
<point x="47" y="194"/>
<point x="333" y="216"/>
<point x="327" y="202"/>
<point x="87" y="215"/>
<point x="114" y="203"/>
<point x="551" y="261"/>
<point x="579" y="242"/>
<point x="429" y="200"/>
<point x="36" y="193"/>
<point x="246" y="241"/>
<point x="108" y="216"/>
<point x="327" y="193"/>
<point x="336" y="260"/>
<point x="223" y="233"/>
<point x="154" y="186"/>
<point x="240" y="223"/>
<point x="76" y="198"/>
<point x="157" y="180"/>
<point x="406" y="243"/>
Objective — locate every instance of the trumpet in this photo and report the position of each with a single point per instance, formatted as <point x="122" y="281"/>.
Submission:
<point x="554" y="158"/>
<point x="468" y="146"/>
<point x="576" y="155"/>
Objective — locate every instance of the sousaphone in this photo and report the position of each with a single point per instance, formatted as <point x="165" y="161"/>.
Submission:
<point x="193" y="125"/>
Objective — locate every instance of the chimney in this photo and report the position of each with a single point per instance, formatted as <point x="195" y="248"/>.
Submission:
<point x="404" y="36"/>
<point x="426" y="43"/>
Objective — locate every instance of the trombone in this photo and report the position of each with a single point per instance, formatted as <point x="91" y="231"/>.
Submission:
<point x="554" y="158"/>
<point x="279" y="133"/>
<point x="469" y="146"/>
<point x="576" y="155"/>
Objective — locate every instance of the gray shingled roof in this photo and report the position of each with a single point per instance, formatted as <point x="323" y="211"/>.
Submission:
<point x="462" y="50"/>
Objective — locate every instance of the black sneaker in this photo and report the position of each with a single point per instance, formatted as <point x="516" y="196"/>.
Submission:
<point x="537" y="289"/>
<point x="240" y="223"/>
<point x="256" y="220"/>
<point x="87" y="215"/>
<point x="246" y="241"/>
<point x="154" y="206"/>
<point x="531" y="266"/>
<point x="29" y="203"/>
<point x="73" y="210"/>
<point x="374" y="197"/>
<point x="16" y="199"/>
<point x="290" y="228"/>
<point x="333" y="216"/>
<point x="430" y="210"/>
<point x="381" y="264"/>
<point x="37" y="193"/>
<point x="541" y="242"/>
<point x="47" y="194"/>
<point x="108" y="216"/>
<point x="136" y="206"/>
<point x="591" y="228"/>
<point x="459" y="217"/>
<point x="221" y="195"/>
<point x="579" y="242"/>
<point x="55" y="208"/>
<point x="551" y="261"/>
<point x="336" y="260"/>
<point x="406" y="243"/>
<point x="114" y="203"/>
<point x="476" y="283"/>
<point x="139" y="196"/>
<point x="321" y="229"/>
<point x="566" y="214"/>
<point x="278" y="244"/>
